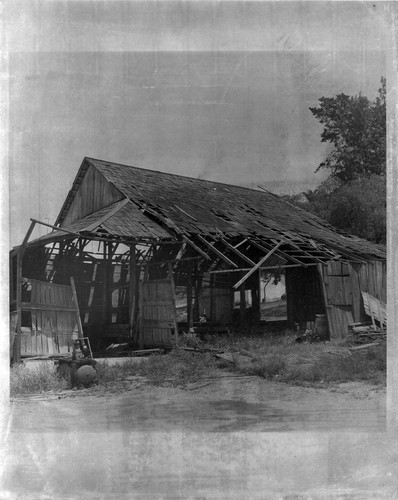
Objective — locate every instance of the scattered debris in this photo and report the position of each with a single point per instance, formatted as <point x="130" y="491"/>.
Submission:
<point x="375" y="308"/>
<point x="365" y="346"/>
<point x="363" y="332"/>
<point x="312" y="336"/>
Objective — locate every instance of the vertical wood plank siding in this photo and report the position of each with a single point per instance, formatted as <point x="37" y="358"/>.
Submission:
<point x="344" y="304"/>
<point x="157" y="313"/>
<point x="50" y="331"/>
<point x="95" y="192"/>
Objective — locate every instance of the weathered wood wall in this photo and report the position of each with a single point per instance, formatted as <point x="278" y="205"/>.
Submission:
<point x="342" y="287"/>
<point x="157" y="315"/>
<point x="95" y="192"/>
<point x="217" y="303"/>
<point x="52" y="317"/>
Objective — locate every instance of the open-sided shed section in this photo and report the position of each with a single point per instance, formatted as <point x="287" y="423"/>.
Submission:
<point x="123" y="231"/>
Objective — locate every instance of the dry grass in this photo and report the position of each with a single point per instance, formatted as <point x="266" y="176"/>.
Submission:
<point x="42" y="378"/>
<point x="273" y="357"/>
<point x="280" y="357"/>
<point x="176" y="369"/>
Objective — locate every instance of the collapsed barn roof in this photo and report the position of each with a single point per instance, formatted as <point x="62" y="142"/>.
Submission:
<point x="215" y="218"/>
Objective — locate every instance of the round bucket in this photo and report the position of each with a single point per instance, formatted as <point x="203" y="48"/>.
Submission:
<point x="321" y="325"/>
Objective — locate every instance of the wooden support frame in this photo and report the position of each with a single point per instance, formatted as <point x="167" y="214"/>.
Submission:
<point x="171" y="277"/>
<point x="75" y="301"/>
<point x="262" y="268"/>
<point x="16" y="358"/>
<point x="237" y="252"/>
<point x="140" y="306"/>
<point x="242" y="306"/>
<point x="199" y="250"/>
<point x="258" y="265"/>
<point x="132" y="291"/>
<point x="280" y="252"/>
<point x="76" y="235"/>
<point x="217" y="252"/>
<point x="189" y="296"/>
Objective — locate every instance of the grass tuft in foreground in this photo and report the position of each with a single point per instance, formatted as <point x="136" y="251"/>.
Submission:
<point x="315" y="368"/>
<point x="43" y="378"/>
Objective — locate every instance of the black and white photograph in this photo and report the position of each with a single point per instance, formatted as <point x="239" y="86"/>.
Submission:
<point x="198" y="203"/>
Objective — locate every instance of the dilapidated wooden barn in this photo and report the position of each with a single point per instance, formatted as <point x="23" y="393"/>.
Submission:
<point x="130" y="239"/>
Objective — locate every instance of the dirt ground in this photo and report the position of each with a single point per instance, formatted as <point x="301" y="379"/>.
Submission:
<point x="228" y="402"/>
<point x="224" y="437"/>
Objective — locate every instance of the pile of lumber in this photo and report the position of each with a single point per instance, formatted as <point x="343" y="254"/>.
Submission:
<point x="363" y="333"/>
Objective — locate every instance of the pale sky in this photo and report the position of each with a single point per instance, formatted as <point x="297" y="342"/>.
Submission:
<point x="217" y="90"/>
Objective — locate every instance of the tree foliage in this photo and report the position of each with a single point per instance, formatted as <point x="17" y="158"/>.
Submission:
<point x="356" y="207"/>
<point x="356" y="127"/>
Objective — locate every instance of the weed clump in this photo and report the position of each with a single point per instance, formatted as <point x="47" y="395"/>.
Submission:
<point x="36" y="380"/>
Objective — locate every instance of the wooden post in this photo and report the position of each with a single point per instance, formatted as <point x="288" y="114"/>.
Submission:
<point x="75" y="301"/>
<point x="173" y="291"/>
<point x="108" y="253"/>
<point x="189" y="296"/>
<point x="16" y="358"/>
<point x="211" y="307"/>
<point x="196" y="312"/>
<point x="140" y="322"/>
<point x="242" y="291"/>
<point x="132" y="292"/>
<point x="17" y="340"/>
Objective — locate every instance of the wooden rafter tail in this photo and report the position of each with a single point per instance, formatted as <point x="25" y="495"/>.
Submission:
<point x="258" y="265"/>
<point x="216" y="251"/>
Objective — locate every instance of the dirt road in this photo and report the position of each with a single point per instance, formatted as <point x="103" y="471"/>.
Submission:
<point x="228" y="403"/>
<point x="219" y="438"/>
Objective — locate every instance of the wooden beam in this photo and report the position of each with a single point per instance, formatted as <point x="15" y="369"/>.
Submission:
<point x="189" y="297"/>
<point x="74" y="296"/>
<point x="257" y="266"/>
<point x="262" y="268"/>
<point x="173" y="291"/>
<point x="16" y="358"/>
<point x="199" y="250"/>
<point x="187" y="259"/>
<point x="132" y="291"/>
<point x="73" y="233"/>
<point x="197" y="287"/>
<point x="237" y="252"/>
<point x="241" y="243"/>
<point x="280" y="252"/>
<point x="140" y="314"/>
<point x="217" y="252"/>
<point x="242" y="306"/>
<point x="29" y="232"/>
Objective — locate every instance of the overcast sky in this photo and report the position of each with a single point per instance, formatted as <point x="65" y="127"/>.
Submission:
<point x="217" y="90"/>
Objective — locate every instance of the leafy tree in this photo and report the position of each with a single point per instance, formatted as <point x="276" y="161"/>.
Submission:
<point x="356" y="207"/>
<point x="356" y="127"/>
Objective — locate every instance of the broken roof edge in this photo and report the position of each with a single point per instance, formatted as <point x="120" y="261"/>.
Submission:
<point x="186" y="177"/>
<point x="369" y="249"/>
